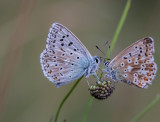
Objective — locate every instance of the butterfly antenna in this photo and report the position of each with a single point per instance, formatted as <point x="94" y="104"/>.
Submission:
<point x="100" y="50"/>
<point x="103" y="47"/>
<point x="109" y="48"/>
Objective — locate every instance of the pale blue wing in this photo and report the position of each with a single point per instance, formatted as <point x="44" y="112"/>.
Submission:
<point x="65" y="57"/>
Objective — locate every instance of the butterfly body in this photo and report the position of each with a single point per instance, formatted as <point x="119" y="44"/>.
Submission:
<point x="134" y="65"/>
<point x="65" y="58"/>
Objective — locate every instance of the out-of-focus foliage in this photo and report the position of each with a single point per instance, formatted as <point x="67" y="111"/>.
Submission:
<point x="32" y="98"/>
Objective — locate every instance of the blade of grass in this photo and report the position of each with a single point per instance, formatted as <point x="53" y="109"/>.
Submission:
<point x="65" y="98"/>
<point x="113" y="42"/>
<point x="151" y="105"/>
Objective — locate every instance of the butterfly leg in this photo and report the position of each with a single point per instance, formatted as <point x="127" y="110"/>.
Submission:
<point x="87" y="82"/>
<point x="105" y="76"/>
<point x="96" y="77"/>
<point x="101" y="75"/>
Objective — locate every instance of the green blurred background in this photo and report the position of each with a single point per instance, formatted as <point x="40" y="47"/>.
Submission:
<point x="29" y="97"/>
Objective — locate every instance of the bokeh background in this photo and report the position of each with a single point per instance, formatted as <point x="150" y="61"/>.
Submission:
<point x="27" y="96"/>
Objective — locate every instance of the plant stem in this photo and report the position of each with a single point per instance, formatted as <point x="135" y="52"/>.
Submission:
<point x="65" y="98"/>
<point x="119" y="27"/>
<point x="87" y="109"/>
<point x="151" y="105"/>
<point x="113" y="42"/>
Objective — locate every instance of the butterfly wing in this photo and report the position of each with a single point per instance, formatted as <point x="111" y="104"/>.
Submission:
<point x="135" y="65"/>
<point x="65" y="57"/>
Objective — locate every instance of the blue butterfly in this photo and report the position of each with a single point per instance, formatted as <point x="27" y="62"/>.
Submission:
<point x="134" y="65"/>
<point x="65" y="58"/>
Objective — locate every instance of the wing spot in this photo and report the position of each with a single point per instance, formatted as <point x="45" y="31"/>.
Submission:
<point x="122" y="64"/>
<point x="143" y="65"/>
<point x="47" y="65"/>
<point x="135" y="47"/>
<point x="145" y="79"/>
<point x="60" y="68"/>
<point x="70" y="43"/>
<point x="50" y="51"/>
<point x="135" y="74"/>
<point x="50" y="71"/>
<point x="62" y="49"/>
<point x="67" y="35"/>
<point x="128" y="82"/>
<point x="135" y="80"/>
<point x="61" y="39"/>
<point x="136" y="62"/>
<point x="63" y="54"/>
<point x="62" y="44"/>
<point x="63" y="36"/>
<point x="124" y="57"/>
<point x="125" y="75"/>
<point x="75" y="49"/>
<point x="71" y="53"/>
<point x="129" y="61"/>
<point x="55" y="78"/>
<point x="125" y="70"/>
<point x="139" y="72"/>
<point x="140" y="84"/>
<point x="77" y="57"/>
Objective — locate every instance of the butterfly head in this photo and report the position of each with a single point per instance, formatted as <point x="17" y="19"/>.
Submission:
<point x="106" y="63"/>
<point x="97" y="60"/>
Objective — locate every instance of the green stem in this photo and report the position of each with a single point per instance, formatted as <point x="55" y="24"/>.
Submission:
<point x="65" y="98"/>
<point x="113" y="42"/>
<point x="151" y="105"/>
<point x="119" y="27"/>
<point x="87" y="109"/>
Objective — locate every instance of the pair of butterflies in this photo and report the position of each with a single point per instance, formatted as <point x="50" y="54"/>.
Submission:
<point x="66" y="59"/>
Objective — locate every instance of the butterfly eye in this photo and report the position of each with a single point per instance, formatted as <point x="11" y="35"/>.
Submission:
<point x="97" y="61"/>
<point x="106" y="63"/>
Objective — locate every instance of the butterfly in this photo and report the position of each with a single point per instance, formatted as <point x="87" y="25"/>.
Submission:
<point x="134" y="65"/>
<point x="65" y="58"/>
